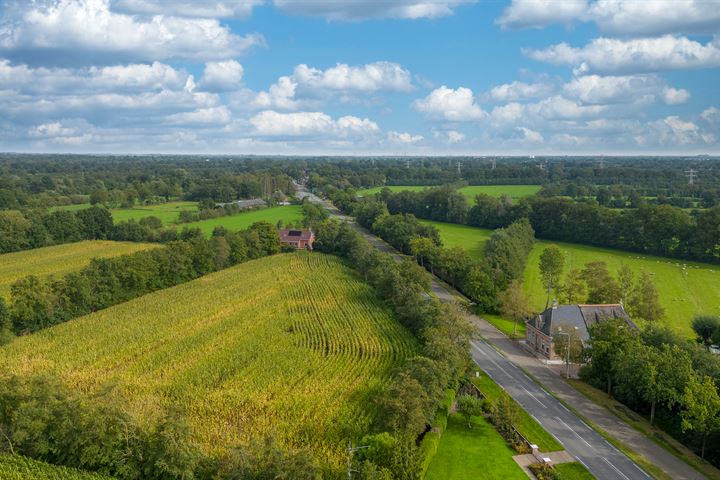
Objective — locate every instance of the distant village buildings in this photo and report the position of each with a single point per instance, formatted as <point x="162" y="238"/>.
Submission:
<point x="574" y="320"/>
<point x="300" y="239"/>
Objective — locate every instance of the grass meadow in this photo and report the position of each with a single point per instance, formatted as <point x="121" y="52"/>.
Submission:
<point x="686" y="288"/>
<point x="515" y="191"/>
<point x="59" y="260"/>
<point x="286" y="213"/>
<point x="294" y="344"/>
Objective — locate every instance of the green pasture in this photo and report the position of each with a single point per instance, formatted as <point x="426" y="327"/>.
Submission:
<point x="515" y="191"/>
<point x="167" y="212"/>
<point x="287" y="213"/>
<point x="686" y="288"/>
<point x="473" y="453"/>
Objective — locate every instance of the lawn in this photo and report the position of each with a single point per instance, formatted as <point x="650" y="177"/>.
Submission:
<point x="573" y="471"/>
<point x="686" y="288"/>
<point x="527" y="425"/>
<point x="287" y="213"/>
<point x="59" y="260"/>
<point x="294" y="344"/>
<point x="515" y="191"/>
<point x="473" y="453"/>
<point x="167" y="212"/>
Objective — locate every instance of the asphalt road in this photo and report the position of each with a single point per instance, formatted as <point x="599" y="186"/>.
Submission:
<point x="582" y="442"/>
<point x="603" y="460"/>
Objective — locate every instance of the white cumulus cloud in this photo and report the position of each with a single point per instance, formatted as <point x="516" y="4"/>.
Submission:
<point x="404" y="138"/>
<point x="675" y="96"/>
<point x="297" y="124"/>
<point x="352" y="10"/>
<point x="539" y="13"/>
<point x="222" y="76"/>
<point x="515" y="91"/>
<point x="88" y="31"/>
<point x="617" y="17"/>
<point x="455" y="105"/>
<point x="183" y="8"/>
<point x="611" y="55"/>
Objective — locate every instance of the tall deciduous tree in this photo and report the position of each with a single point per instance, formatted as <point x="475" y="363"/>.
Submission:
<point x="514" y="304"/>
<point x="644" y="301"/>
<point x="625" y="280"/>
<point x="469" y="407"/>
<point x="602" y="287"/>
<point x="701" y="408"/>
<point x="552" y="263"/>
<point x="574" y="290"/>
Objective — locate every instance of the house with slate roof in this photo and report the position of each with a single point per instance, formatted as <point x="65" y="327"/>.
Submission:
<point x="299" y="239"/>
<point x="574" y="319"/>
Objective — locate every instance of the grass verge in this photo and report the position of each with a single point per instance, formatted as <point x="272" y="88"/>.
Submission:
<point x="526" y="425"/>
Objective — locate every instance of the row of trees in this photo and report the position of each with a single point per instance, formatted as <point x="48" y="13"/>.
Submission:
<point x="656" y="372"/>
<point x="595" y="284"/>
<point x="408" y="405"/>
<point x="37" y="303"/>
<point x="33" y="229"/>
<point x="504" y="254"/>
<point x="653" y="229"/>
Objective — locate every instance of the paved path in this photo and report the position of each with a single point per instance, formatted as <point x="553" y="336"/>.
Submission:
<point x="590" y="448"/>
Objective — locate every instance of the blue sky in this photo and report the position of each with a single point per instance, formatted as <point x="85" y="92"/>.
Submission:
<point x="360" y="77"/>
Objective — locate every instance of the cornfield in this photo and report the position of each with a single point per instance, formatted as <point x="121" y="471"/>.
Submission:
<point x="15" y="467"/>
<point x="292" y="345"/>
<point x="59" y="259"/>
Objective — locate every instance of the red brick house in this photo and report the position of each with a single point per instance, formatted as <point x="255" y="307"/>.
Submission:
<point x="575" y="319"/>
<point x="299" y="239"/>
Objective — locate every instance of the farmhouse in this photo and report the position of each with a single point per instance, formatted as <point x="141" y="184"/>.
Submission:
<point x="575" y="320"/>
<point x="300" y="239"/>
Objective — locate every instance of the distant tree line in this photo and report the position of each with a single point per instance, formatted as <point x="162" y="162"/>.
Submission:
<point x="651" y="229"/>
<point x="40" y="181"/>
<point x="37" y="303"/>
<point x="408" y="405"/>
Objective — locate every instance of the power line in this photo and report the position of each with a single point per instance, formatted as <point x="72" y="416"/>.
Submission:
<point x="692" y="174"/>
<point x="459" y="166"/>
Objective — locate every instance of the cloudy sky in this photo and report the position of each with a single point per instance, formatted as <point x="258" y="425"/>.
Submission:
<point x="360" y="76"/>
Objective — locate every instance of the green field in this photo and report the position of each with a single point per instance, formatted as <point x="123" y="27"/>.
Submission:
<point x="167" y="212"/>
<point x="15" y="467"/>
<point x="515" y="191"/>
<point x="526" y="425"/>
<point x="573" y="471"/>
<point x="686" y="288"/>
<point x="59" y="260"/>
<point x="473" y="453"/>
<point x="293" y="344"/>
<point x="287" y="213"/>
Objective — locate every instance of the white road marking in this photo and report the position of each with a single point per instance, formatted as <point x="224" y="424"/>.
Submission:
<point x="574" y="432"/>
<point x="641" y="470"/>
<point x="583" y="463"/>
<point x="533" y="396"/>
<point x="615" y="468"/>
<point x="565" y="408"/>
<point x="493" y="361"/>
